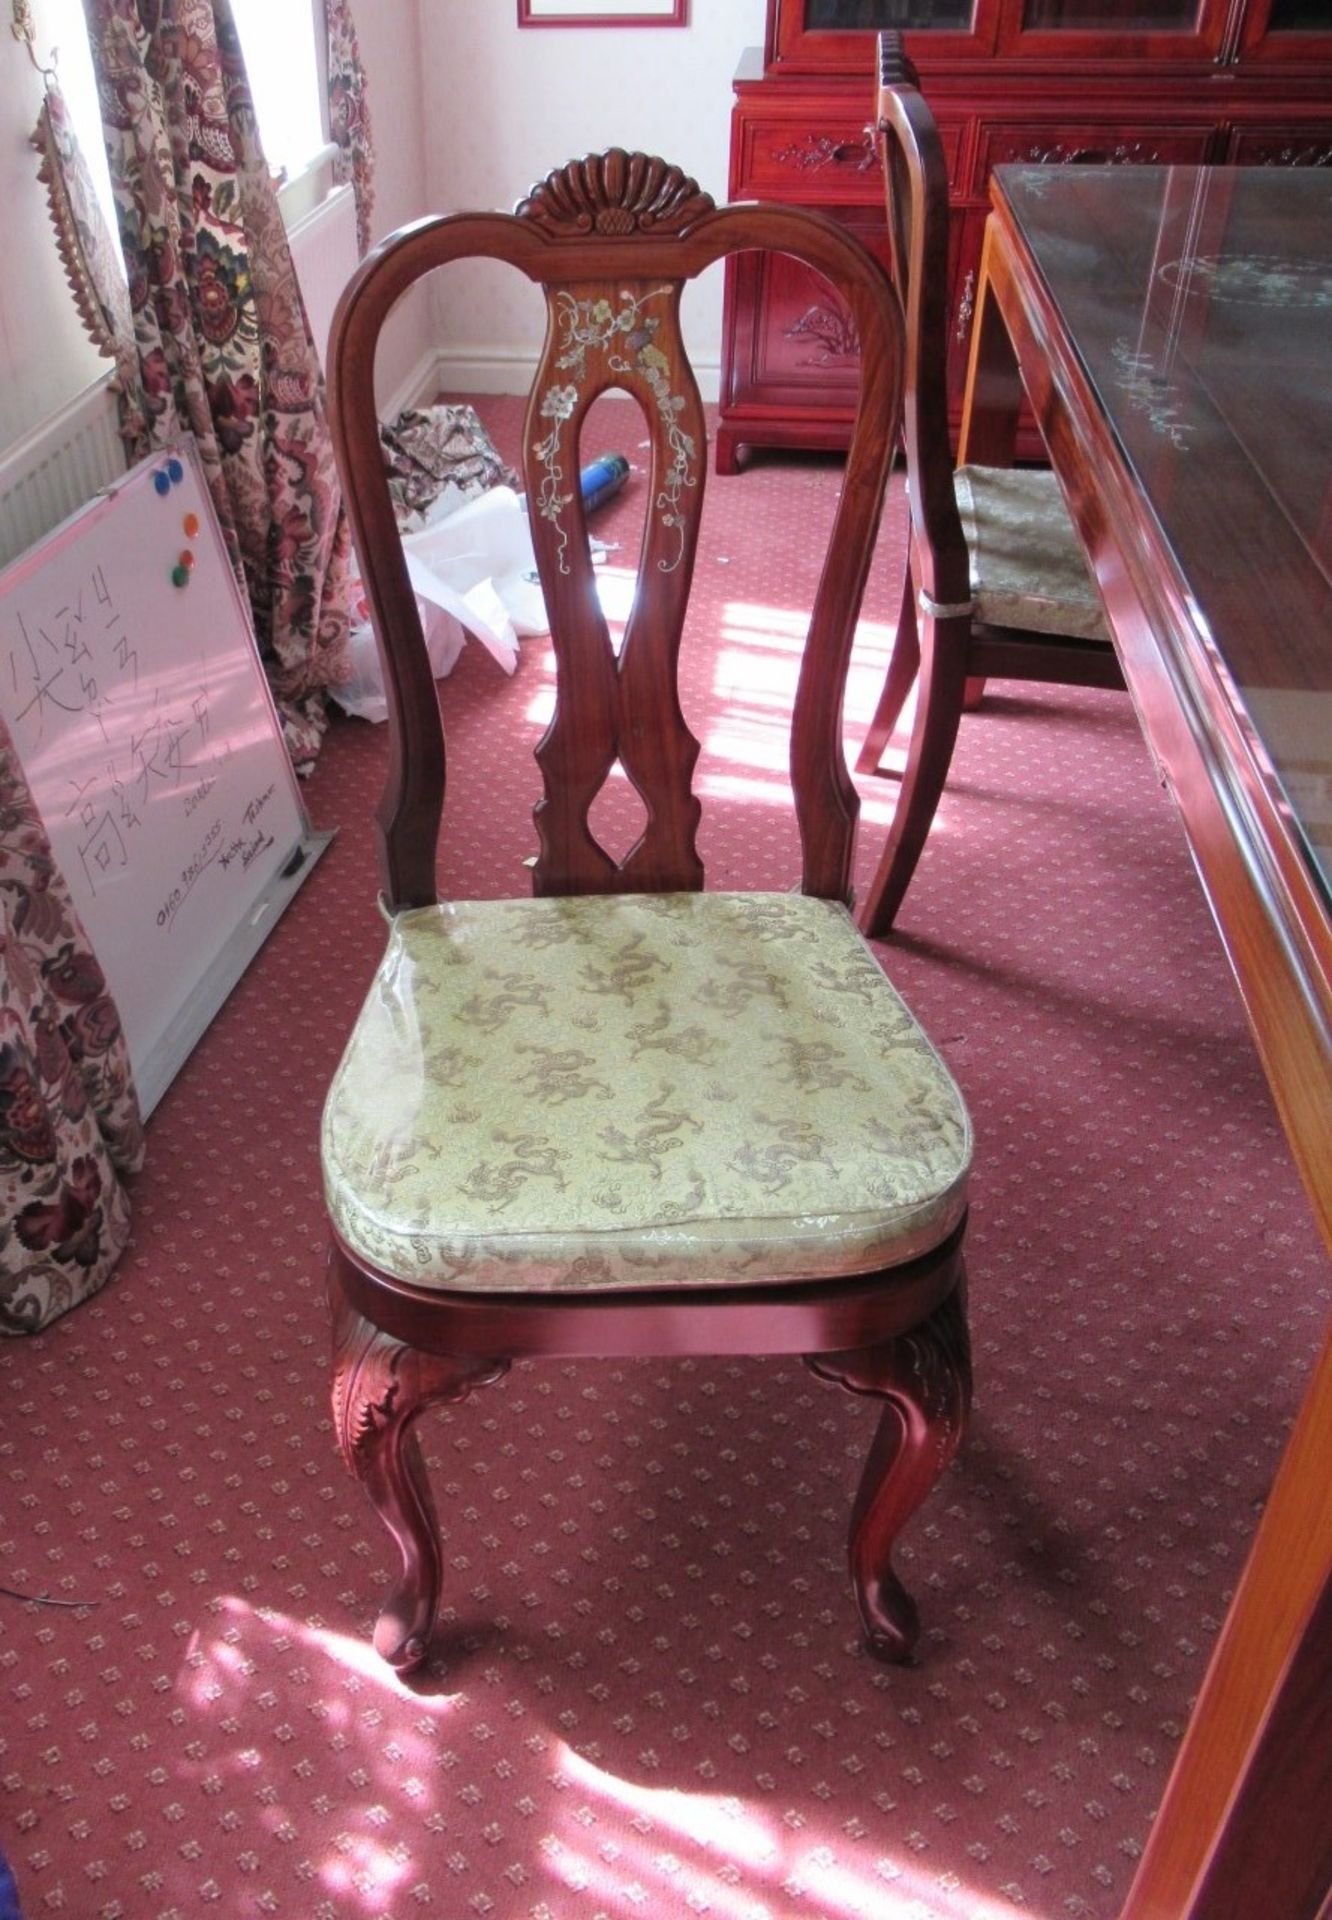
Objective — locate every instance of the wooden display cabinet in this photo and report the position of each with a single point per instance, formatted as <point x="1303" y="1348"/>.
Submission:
<point x="1049" y="82"/>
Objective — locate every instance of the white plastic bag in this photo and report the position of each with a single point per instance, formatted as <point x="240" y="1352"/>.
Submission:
<point x="473" y="572"/>
<point x="362" y="694"/>
<point x="486" y="544"/>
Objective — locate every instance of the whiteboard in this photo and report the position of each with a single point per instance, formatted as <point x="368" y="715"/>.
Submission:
<point x="135" y="697"/>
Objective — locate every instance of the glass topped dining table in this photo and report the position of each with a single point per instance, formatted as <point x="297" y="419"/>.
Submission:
<point x="1172" y="327"/>
<point x="1174" y="331"/>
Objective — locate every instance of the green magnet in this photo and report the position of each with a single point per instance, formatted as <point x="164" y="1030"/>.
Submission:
<point x="180" y="576"/>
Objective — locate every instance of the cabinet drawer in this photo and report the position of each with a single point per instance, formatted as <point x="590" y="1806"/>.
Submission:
<point x="820" y="160"/>
<point x="1284" y="146"/>
<point x="1085" y="142"/>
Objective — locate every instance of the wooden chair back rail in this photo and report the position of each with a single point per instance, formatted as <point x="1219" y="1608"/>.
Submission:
<point x="915" y="173"/>
<point x="612" y="321"/>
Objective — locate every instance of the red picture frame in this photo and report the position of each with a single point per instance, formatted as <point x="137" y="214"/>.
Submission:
<point x="603" y="13"/>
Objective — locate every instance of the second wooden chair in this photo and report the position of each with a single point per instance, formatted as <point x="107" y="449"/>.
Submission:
<point x="996" y="582"/>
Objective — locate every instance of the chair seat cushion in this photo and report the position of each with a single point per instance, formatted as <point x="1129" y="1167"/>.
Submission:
<point x="638" y="1091"/>
<point x="1027" y="566"/>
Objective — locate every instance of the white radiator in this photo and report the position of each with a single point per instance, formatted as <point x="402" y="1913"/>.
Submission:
<point x="323" y="252"/>
<point x="57" y="468"/>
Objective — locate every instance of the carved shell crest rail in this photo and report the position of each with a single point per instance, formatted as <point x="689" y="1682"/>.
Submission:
<point x="612" y="194"/>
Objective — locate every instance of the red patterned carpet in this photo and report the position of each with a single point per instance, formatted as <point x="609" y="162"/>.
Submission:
<point x="647" y="1696"/>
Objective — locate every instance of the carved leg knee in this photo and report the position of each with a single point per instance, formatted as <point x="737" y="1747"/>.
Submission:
<point x="924" y="1378"/>
<point x="379" y="1388"/>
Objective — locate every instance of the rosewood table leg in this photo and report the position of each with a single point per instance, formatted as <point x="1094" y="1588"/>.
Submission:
<point x="380" y="1387"/>
<point x="994" y="384"/>
<point x="726" y="451"/>
<point x="990" y="405"/>
<point x="924" y="1377"/>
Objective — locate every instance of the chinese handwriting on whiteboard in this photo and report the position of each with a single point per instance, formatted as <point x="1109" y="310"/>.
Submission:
<point x="76" y="666"/>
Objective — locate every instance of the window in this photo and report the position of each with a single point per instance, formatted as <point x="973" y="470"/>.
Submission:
<point x="282" y="57"/>
<point x="283" y="61"/>
<point x="61" y="26"/>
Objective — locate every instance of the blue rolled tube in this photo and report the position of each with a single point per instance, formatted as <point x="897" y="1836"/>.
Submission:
<point x="602" y="480"/>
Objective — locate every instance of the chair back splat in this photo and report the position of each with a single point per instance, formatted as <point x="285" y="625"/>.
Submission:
<point x="628" y="1115"/>
<point x="612" y="240"/>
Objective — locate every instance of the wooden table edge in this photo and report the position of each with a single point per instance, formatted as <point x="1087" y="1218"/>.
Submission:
<point x="1238" y="1776"/>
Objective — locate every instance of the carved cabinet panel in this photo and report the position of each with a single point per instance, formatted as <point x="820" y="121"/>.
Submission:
<point x="1086" y="142"/>
<point x="1286" y="146"/>
<point x="1034" y="82"/>
<point x="792" y="360"/>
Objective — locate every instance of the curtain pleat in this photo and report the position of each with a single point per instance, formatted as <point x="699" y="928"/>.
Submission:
<point x="349" y="114"/>
<point x="69" y="1119"/>
<point x="224" y="350"/>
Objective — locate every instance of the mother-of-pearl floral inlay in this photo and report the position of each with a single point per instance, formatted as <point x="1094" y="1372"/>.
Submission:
<point x="626" y="335"/>
<point x="1252" y="279"/>
<point x="1150" y="393"/>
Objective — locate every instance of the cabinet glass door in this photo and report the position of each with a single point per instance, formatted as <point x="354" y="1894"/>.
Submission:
<point x="1112" y="16"/>
<point x="850" y="16"/>
<point x="1110" y="29"/>
<point x="1289" y="30"/>
<point x="817" y="35"/>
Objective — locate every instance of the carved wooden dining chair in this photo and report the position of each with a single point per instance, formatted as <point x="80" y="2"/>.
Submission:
<point x="627" y="1116"/>
<point x="997" y="585"/>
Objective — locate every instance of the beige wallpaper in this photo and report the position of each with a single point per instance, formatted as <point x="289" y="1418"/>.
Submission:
<point x="504" y="106"/>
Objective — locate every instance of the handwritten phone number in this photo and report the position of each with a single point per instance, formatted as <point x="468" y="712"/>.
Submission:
<point x="189" y="875"/>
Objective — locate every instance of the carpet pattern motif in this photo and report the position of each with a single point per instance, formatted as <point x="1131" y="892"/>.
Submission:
<point x="647" y="1695"/>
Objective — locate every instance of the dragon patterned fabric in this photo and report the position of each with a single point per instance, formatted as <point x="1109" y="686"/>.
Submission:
<point x="639" y="1091"/>
<point x="1027" y="567"/>
<point x="69" y="1120"/>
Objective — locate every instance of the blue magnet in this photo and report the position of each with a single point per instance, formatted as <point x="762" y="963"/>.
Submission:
<point x="176" y="470"/>
<point x="162" y="480"/>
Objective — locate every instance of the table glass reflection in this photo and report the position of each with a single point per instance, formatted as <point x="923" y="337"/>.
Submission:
<point x="1200" y="304"/>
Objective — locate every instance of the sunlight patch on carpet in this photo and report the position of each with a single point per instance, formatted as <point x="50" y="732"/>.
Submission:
<point x="737" y="1842"/>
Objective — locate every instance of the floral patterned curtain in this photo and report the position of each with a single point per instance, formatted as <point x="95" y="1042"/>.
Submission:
<point x="69" y="1121"/>
<point x="349" y="114"/>
<point x="223" y="347"/>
